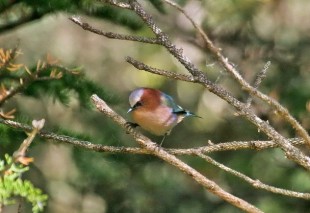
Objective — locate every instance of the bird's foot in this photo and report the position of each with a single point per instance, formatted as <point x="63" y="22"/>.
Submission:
<point x="130" y="127"/>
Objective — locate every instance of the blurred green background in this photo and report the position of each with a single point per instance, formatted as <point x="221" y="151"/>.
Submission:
<point x="250" y="33"/>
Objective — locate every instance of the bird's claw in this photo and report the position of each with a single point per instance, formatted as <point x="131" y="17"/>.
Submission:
<point x="130" y="127"/>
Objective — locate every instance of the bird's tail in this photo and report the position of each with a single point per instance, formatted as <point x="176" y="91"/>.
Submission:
<point x="186" y="113"/>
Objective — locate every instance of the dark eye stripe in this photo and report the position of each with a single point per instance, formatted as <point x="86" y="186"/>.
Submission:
<point x="138" y="104"/>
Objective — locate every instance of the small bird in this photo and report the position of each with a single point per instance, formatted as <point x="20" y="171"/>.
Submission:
<point x="155" y="111"/>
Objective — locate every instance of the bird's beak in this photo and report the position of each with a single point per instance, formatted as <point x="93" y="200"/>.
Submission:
<point x="129" y="110"/>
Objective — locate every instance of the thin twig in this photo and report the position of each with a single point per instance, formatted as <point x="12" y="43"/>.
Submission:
<point x="258" y="80"/>
<point x="20" y="154"/>
<point x="111" y="35"/>
<point x="255" y="183"/>
<point x="233" y="146"/>
<point x="116" y="3"/>
<point x="169" y="74"/>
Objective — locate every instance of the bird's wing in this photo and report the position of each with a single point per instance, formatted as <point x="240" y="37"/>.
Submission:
<point x="176" y="109"/>
<point x="168" y="101"/>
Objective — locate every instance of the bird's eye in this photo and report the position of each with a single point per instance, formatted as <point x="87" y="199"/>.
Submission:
<point x="138" y="104"/>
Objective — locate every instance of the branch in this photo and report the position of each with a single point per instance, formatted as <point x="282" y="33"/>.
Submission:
<point x="233" y="146"/>
<point x="199" y="151"/>
<point x="283" y="143"/>
<point x="74" y="141"/>
<point x="291" y="152"/>
<point x="141" y="66"/>
<point x="245" y="85"/>
<point x="255" y="183"/>
<point x="219" y="147"/>
<point x="258" y="80"/>
<point x="153" y="149"/>
<point x="20" y="154"/>
<point x="86" y="26"/>
<point x="31" y="77"/>
<point x="116" y="3"/>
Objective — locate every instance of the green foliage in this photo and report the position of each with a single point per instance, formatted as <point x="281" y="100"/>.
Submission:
<point x="12" y="185"/>
<point x="8" y="137"/>
<point x="30" y="10"/>
<point x="64" y="88"/>
<point x="117" y="16"/>
<point x="159" y="5"/>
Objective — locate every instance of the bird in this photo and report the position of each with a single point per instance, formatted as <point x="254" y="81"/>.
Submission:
<point x="155" y="111"/>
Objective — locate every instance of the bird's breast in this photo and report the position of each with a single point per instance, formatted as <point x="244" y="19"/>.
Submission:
<point x="158" y="121"/>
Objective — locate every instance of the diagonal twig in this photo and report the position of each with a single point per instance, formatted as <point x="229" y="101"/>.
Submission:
<point x="111" y="35"/>
<point x="258" y="80"/>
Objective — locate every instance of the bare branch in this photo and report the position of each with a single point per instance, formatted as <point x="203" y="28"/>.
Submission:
<point x="218" y="147"/>
<point x="171" y="159"/>
<point x="258" y="80"/>
<point x="255" y="183"/>
<point x="141" y="66"/>
<point x="245" y="85"/>
<point x="74" y="141"/>
<point x="86" y="26"/>
<point x="116" y="3"/>
<point x="233" y="146"/>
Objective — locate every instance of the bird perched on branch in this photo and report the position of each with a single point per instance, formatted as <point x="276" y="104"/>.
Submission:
<point x="155" y="111"/>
